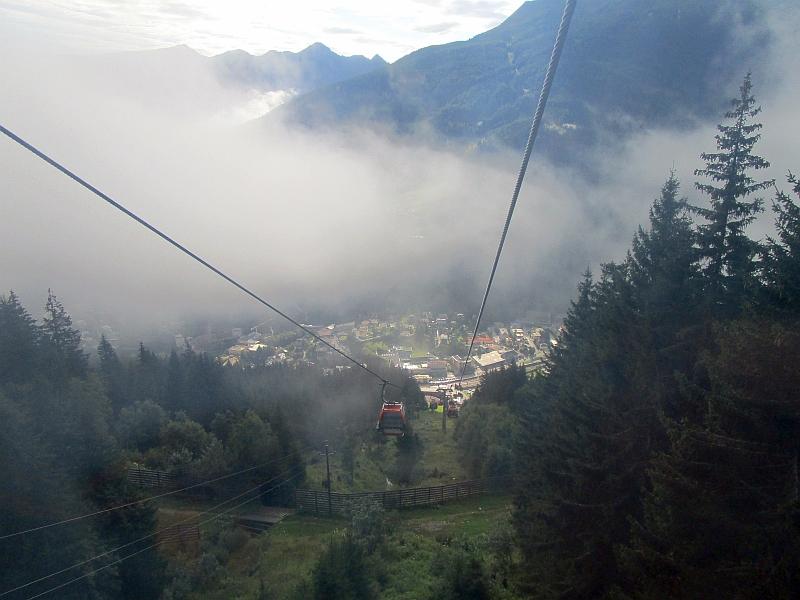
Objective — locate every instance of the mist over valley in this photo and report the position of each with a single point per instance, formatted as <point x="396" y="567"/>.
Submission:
<point x="347" y="217"/>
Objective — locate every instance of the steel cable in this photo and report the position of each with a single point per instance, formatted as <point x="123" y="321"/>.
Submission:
<point x="569" y="10"/>
<point x="141" y="539"/>
<point x="116" y="562"/>
<point x="121" y="506"/>
<point x="182" y="248"/>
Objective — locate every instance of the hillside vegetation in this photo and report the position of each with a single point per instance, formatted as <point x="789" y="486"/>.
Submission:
<point x="627" y="64"/>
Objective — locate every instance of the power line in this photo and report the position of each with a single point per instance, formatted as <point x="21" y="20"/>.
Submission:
<point x="121" y="506"/>
<point x="159" y="543"/>
<point x="569" y="10"/>
<point x="182" y="248"/>
<point x="141" y="539"/>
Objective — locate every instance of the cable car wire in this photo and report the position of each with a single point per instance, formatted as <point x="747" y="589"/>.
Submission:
<point x="182" y="248"/>
<point x="116" y="562"/>
<point x="569" y="10"/>
<point x="141" y="539"/>
<point x="121" y="506"/>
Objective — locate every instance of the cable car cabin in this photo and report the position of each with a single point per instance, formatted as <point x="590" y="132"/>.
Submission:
<point x="392" y="420"/>
<point x="452" y="411"/>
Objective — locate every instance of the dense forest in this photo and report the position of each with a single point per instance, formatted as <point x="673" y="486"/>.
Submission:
<point x="659" y="454"/>
<point x="656" y="455"/>
<point x="71" y="432"/>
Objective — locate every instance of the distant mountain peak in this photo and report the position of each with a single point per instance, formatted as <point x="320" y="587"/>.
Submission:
<point x="317" y="47"/>
<point x="303" y="71"/>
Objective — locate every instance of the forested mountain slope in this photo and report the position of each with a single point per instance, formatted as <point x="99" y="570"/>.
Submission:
<point x="627" y="63"/>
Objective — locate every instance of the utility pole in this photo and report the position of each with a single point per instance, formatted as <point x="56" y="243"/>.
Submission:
<point x="441" y="393"/>
<point x="444" y="412"/>
<point x="328" y="470"/>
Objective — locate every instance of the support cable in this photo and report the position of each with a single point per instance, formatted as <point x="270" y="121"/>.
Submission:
<point x="141" y="539"/>
<point x="116" y="562"/>
<point x="569" y="10"/>
<point x="182" y="248"/>
<point x="142" y="501"/>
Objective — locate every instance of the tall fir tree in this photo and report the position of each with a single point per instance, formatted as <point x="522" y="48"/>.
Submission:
<point x="62" y="343"/>
<point x="20" y="341"/>
<point x="111" y="373"/>
<point x="727" y="252"/>
<point x="663" y="259"/>
<point x="781" y="257"/>
<point x="721" y="514"/>
<point x="586" y="443"/>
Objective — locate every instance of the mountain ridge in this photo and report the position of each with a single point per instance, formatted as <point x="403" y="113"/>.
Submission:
<point x="627" y="64"/>
<point x="303" y="71"/>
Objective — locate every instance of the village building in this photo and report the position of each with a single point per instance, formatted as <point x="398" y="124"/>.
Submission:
<point x="491" y="361"/>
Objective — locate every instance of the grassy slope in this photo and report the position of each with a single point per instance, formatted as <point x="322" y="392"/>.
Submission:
<point x="274" y="564"/>
<point x="375" y="461"/>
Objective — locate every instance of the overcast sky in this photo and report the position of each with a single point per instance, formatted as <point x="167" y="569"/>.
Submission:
<point x="391" y="29"/>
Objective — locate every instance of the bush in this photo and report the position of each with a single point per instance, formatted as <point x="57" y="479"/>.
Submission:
<point x="341" y="573"/>
<point x="369" y="522"/>
<point x="233" y="540"/>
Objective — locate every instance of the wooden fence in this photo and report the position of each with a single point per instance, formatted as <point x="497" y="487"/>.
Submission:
<point x="317" y="500"/>
<point x="183" y="534"/>
<point x="157" y="479"/>
<point x="161" y="479"/>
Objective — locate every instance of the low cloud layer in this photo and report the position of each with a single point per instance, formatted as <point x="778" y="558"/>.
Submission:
<point x="316" y="224"/>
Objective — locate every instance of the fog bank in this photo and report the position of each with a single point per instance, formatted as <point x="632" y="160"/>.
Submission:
<point x="328" y="223"/>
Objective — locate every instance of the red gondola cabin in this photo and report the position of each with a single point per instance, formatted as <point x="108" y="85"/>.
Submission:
<point x="392" y="420"/>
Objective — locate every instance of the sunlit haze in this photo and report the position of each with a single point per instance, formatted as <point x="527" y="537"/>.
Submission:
<point x="390" y="29"/>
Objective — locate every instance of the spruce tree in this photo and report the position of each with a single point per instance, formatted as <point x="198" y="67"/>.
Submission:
<point x="727" y="252"/>
<point x="663" y="260"/>
<point x="586" y="442"/>
<point x="721" y="514"/>
<point x="20" y="339"/>
<point x="781" y="259"/>
<point x="664" y="270"/>
<point x="112" y="374"/>
<point x="62" y="342"/>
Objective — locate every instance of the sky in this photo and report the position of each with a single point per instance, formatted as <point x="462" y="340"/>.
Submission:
<point x="348" y="27"/>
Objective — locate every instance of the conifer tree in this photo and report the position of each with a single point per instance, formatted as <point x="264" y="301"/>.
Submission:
<point x="727" y="252"/>
<point x="20" y="338"/>
<point x="112" y="373"/>
<point x="720" y="518"/>
<point x="588" y="436"/>
<point x="62" y="342"/>
<point x="175" y="384"/>
<point x="781" y="259"/>
<point x="663" y="259"/>
<point x="664" y="270"/>
<point x="109" y="361"/>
